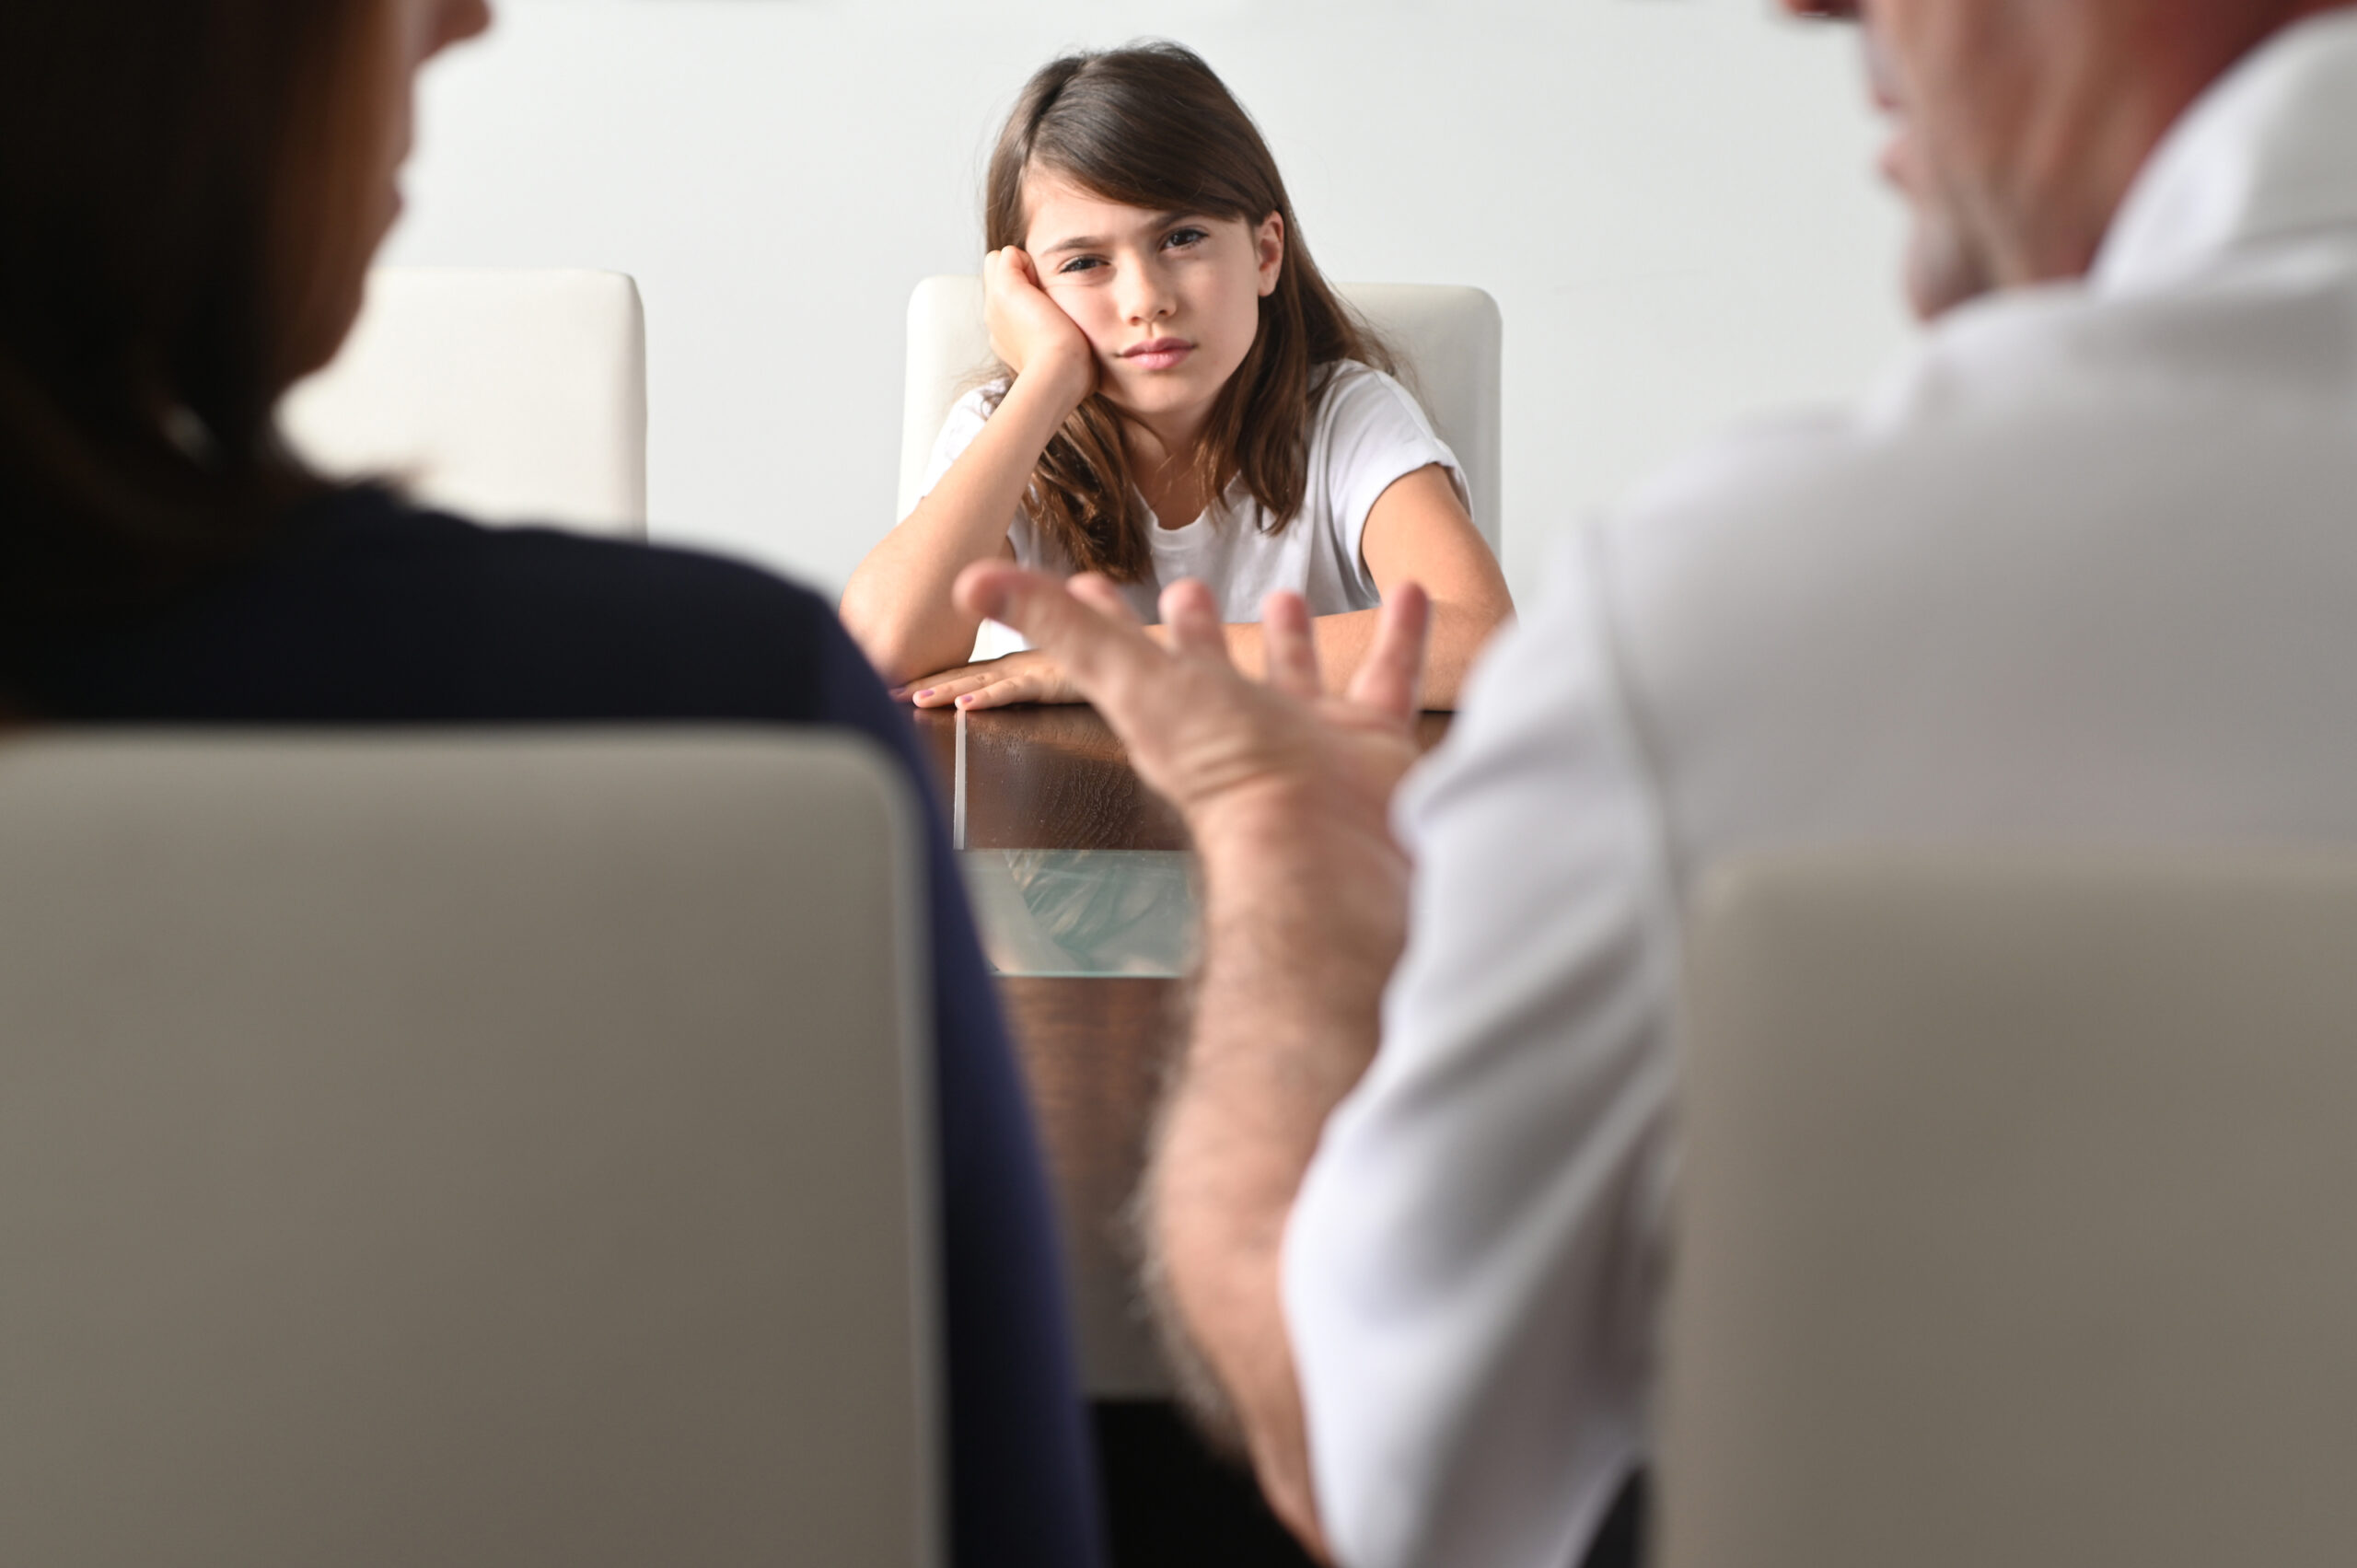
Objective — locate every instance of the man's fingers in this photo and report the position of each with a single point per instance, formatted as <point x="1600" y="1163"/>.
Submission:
<point x="1390" y="678"/>
<point x="1101" y="593"/>
<point x="1093" y="646"/>
<point x="1193" y="615"/>
<point x="1289" y="647"/>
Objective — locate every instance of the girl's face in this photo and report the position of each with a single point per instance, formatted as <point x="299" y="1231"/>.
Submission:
<point x="1170" y="301"/>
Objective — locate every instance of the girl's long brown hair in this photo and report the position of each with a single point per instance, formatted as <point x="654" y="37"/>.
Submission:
<point x="1151" y="126"/>
<point x="186" y="194"/>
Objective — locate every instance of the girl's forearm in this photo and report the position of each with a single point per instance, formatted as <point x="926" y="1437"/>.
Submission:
<point x="1459" y="633"/>
<point x="897" y="604"/>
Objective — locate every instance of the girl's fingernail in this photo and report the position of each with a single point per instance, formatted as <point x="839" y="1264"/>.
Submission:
<point x="966" y="700"/>
<point x="926" y="692"/>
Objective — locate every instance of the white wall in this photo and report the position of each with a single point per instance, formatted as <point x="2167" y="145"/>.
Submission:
<point x="1670" y="199"/>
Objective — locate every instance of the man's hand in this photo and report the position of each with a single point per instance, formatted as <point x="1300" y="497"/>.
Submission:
<point x="1027" y="677"/>
<point x="1287" y="793"/>
<point x="1233" y="755"/>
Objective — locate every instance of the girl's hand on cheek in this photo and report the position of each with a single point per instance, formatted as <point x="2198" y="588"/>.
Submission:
<point x="1027" y="677"/>
<point x="1029" y="330"/>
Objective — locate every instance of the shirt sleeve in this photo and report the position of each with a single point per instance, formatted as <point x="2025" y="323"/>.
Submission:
<point x="1376" y="434"/>
<point x="1469" y="1272"/>
<point x="966" y="416"/>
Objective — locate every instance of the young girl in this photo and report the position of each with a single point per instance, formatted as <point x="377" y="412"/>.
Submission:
<point x="1184" y="397"/>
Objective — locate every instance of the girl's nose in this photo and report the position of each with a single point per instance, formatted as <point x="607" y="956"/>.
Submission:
<point x="1146" y="295"/>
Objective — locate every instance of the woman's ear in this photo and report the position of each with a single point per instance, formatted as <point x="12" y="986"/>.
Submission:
<point x="1269" y="246"/>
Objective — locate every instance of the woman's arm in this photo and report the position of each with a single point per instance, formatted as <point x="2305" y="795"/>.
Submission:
<point x="897" y="604"/>
<point x="1416" y="532"/>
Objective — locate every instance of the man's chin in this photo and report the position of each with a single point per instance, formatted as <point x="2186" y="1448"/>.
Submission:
<point x="1943" y="272"/>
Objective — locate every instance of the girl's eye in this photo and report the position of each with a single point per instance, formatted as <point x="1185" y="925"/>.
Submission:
<point x="1180" y="237"/>
<point x="1079" y="264"/>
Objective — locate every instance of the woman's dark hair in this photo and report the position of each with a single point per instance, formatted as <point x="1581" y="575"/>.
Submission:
<point x="1151" y="126"/>
<point x="186" y="208"/>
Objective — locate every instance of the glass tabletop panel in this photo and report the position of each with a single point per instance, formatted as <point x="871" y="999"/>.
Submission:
<point x="1077" y="870"/>
<point x="1084" y="913"/>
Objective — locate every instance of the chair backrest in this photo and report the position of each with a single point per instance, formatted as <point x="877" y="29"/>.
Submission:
<point x="505" y="396"/>
<point x="1449" y="337"/>
<point x="2014" y="1223"/>
<point x="463" y="1150"/>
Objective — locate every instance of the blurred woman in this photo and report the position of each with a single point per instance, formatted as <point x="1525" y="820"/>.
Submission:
<point x="191" y="192"/>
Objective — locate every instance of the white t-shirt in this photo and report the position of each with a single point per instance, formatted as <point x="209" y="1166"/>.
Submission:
<point x="1365" y="432"/>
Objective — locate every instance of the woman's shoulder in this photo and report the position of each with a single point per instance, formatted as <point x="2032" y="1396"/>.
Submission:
<point x="367" y="607"/>
<point x="370" y="535"/>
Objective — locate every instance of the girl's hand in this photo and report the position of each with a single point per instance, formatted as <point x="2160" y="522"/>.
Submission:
<point x="1029" y="330"/>
<point x="1029" y="677"/>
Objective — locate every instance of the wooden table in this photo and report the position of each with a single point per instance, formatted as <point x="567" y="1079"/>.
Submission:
<point x="1093" y="1048"/>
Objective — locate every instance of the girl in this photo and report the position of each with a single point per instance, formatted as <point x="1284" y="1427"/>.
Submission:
<point x="1183" y="397"/>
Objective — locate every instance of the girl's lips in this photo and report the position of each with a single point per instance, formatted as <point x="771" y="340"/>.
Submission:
<point x="1159" y="354"/>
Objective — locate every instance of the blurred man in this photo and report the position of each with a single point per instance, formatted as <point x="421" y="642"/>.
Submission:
<point x="2084" y="570"/>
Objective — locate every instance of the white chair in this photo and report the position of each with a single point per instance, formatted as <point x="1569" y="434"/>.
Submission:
<point x="463" y="1150"/>
<point x="2013" y="1224"/>
<point x="504" y="396"/>
<point x="1448" y="337"/>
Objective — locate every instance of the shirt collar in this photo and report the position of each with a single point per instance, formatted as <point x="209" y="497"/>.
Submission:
<point x="2270" y="150"/>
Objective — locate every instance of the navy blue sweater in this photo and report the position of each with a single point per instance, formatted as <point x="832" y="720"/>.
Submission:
<point x="366" y="611"/>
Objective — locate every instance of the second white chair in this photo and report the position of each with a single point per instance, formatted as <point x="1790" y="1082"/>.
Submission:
<point x="509" y="397"/>
<point x="2013" y="1216"/>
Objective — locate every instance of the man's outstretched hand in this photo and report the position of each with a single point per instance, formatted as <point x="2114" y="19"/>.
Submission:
<point x="1231" y="753"/>
<point x="1288" y="795"/>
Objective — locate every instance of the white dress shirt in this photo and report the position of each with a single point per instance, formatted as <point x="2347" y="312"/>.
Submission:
<point x="2083" y="571"/>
